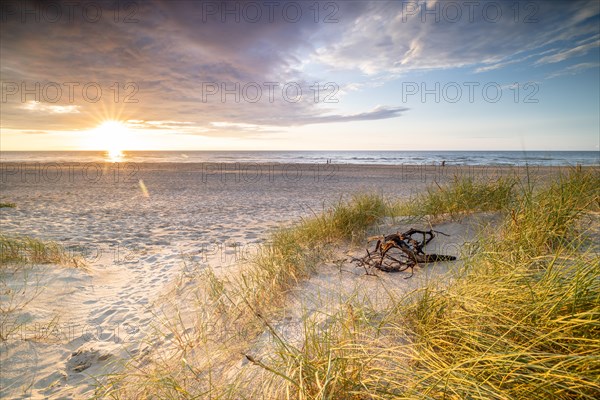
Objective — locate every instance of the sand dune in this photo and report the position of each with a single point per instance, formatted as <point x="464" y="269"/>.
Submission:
<point x="72" y="325"/>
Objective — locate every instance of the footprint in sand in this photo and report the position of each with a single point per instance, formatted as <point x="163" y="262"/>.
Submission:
<point x="85" y="357"/>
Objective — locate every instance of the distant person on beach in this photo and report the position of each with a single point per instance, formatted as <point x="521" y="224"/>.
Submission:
<point x="444" y="163"/>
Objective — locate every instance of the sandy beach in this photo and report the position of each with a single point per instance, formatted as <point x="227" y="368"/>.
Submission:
<point x="300" y="200"/>
<point x="143" y="228"/>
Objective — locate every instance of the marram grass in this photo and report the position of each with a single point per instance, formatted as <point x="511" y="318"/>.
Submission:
<point x="518" y="320"/>
<point x="293" y="254"/>
<point x="232" y="311"/>
<point x="28" y="250"/>
<point x="462" y="195"/>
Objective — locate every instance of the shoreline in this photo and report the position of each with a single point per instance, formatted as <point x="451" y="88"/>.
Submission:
<point x="356" y="157"/>
<point x="8" y="167"/>
<point x="283" y="163"/>
<point x="361" y="177"/>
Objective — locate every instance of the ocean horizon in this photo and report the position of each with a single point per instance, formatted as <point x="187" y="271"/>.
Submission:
<point x="491" y="158"/>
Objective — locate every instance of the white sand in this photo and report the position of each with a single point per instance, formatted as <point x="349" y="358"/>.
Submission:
<point x="75" y="325"/>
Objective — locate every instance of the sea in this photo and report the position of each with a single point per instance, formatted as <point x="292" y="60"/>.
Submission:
<point x="491" y="158"/>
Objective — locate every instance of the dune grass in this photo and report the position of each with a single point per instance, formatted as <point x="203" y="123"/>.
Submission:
<point x="521" y="318"/>
<point x="461" y="196"/>
<point x="7" y="205"/>
<point x="543" y="221"/>
<point x="19" y="287"/>
<point x="518" y="320"/>
<point x="233" y="311"/>
<point x="28" y="250"/>
<point x="293" y="254"/>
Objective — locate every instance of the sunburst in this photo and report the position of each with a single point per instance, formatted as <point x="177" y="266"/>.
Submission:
<point x="113" y="137"/>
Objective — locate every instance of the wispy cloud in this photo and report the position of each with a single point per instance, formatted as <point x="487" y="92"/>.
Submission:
<point x="570" y="53"/>
<point x="417" y="40"/>
<point x="514" y="59"/>
<point x="380" y="112"/>
<point x="574" y="69"/>
<point x="49" y="108"/>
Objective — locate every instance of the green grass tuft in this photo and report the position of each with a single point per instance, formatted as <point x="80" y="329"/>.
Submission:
<point x="293" y="254"/>
<point x="28" y="250"/>
<point x="462" y="195"/>
<point x="544" y="221"/>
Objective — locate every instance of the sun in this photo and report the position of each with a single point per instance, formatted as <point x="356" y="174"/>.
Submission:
<point x="113" y="137"/>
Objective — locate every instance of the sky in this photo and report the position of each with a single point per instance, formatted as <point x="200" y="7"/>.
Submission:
<point x="299" y="75"/>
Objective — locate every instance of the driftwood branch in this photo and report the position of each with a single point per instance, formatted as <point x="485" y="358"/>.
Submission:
<point x="400" y="251"/>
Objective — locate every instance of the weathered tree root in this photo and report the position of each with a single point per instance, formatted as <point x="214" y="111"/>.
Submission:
<point x="409" y="252"/>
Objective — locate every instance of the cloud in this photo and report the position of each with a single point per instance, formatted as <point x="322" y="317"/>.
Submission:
<point x="50" y="109"/>
<point x="574" y="69"/>
<point x="141" y="124"/>
<point x="268" y="125"/>
<point x="379" y="112"/>
<point x="515" y="59"/>
<point x="570" y="53"/>
<point x="25" y="131"/>
<point x="161" y="63"/>
<point x="423" y="35"/>
<point x="162" y="60"/>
